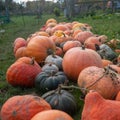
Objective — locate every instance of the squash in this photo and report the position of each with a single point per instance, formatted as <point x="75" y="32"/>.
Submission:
<point x="23" y="107"/>
<point x="105" y="81"/>
<point x="50" y="80"/>
<point x="23" y="72"/>
<point x="78" y="58"/>
<point x="61" y="100"/>
<point x="98" y="108"/>
<point x="52" y="115"/>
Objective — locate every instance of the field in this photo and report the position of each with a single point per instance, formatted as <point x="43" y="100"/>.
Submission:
<point x="23" y="26"/>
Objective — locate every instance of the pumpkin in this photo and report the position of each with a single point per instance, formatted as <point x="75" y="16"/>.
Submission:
<point x="51" y="20"/>
<point x="61" y="100"/>
<point x="23" y="107"/>
<point x="116" y="67"/>
<point x="59" y="51"/>
<point x="106" y="62"/>
<point x="50" y="67"/>
<point x="23" y="72"/>
<point x="93" y="42"/>
<point x="50" y="80"/>
<point x="106" y="52"/>
<point x="19" y="42"/>
<point x="40" y="47"/>
<point x="20" y="52"/>
<point x="55" y="59"/>
<point x="98" y="108"/>
<point x="118" y="96"/>
<point x="42" y="33"/>
<point x="82" y="36"/>
<point x="70" y="44"/>
<point x="104" y="81"/>
<point x="78" y="58"/>
<point x="52" y="115"/>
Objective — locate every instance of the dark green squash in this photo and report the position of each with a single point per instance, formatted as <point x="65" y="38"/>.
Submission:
<point x="50" y="80"/>
<point x="61" y="100"/>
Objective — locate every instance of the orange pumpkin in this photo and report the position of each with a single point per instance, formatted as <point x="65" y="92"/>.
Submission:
<point x="82" y="36"/>
<point x="23" y="72"/>
<point x="51" y="20"/>
<point x="19" y="42"/>
<point x="77" y="58"/>
<point x="116" y="68"/>
<point x="93" y="42"/>
<point x="23" y="107"/>
<point x="40" y="47"/>
<point x="70" y="44"/>
<point x="20" y="52"/>
<point x="52" y="115"/>
<point x="100" y="80"/>
<point x="98" y="108"/>
<point x="59" y="51"/>
<point x="106" y="62"/>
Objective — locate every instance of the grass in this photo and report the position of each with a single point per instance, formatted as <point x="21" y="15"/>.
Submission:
<point x="24" y="26"/>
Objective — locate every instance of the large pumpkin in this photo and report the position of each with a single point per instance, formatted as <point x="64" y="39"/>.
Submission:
<point x="23" y="107"/>
<point x="23" y="72"/>
<point x="104" y="81"/>
<point x="76" y="59"/>
<point x="52" y="115"/>
<point x="40" y="47"/>
<point x="61" y="100"/>
<point x="98" y="108"/>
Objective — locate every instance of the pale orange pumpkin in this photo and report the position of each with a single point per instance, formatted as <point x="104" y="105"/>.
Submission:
<point x="104" y="81"/>
<point x="52" y="115"/>
<point x="78" y="58"/>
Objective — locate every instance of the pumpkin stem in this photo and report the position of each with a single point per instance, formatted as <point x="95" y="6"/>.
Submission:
<point x="32" y="61"/>
<point x="83" y="47"/>
<point x="49" y="51"/>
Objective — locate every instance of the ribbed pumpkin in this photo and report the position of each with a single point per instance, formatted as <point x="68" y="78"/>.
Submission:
<point x="23" y="72"/>
<point x="98" y="108"/>
<point x="55" y="59"/>
<point x="52" y="115"/>
<point x="50" y="80"/>
<point x="78" y="58"/>
<point x="104" y="81"/>
<point x="23" y="107"/>
<point x="40" y="47"/>
<point x="61" y="100"/>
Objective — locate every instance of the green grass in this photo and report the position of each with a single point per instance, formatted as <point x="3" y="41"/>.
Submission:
<point x="24" y="26"/>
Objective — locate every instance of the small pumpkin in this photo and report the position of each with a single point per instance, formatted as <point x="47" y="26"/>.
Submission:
<point x="50" y="80"/>
<point x="98" y="108"/>
<point x="55" y="59"/>
<point x="23" y="107"/>
<point x="61" y="100"/>
<point x="23" y="72"/>
<point x="52" y="115"/>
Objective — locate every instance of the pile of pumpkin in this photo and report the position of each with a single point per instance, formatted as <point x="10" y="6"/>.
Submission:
<point x="53" y="57"/>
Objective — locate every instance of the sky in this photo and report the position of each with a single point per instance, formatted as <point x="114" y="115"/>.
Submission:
<point x="19" y="1"/>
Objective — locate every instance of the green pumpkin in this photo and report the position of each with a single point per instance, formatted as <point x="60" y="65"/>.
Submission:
<point x="61" y="100"/>
<point x="50" y="80"/>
